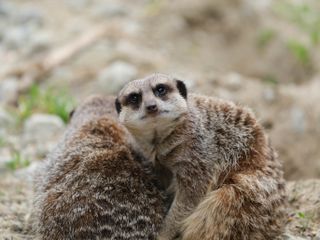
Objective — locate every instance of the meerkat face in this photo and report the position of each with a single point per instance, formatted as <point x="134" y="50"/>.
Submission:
<point x="157" y="100"/>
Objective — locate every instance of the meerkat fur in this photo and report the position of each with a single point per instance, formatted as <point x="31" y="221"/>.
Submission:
<point x="227" y="179"/>
<point x="94" y="185"/>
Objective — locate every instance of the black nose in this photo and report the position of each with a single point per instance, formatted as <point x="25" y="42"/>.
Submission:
<point x="152" y="108"/>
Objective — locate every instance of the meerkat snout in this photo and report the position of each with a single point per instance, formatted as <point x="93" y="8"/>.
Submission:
<point x="151" y="107"/>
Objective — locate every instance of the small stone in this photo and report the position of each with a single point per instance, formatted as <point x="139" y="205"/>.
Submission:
<point x="30" y="16"/>
<point x="5" y="8"/>
<point x="16" y="37"/>
<point x="107" y="10"/>
<point x="6" y="119"/>
<point x="234" y="81"/>
<point x="78" y="4"/>
<point x="42" y="127"/>
<point x="8" y="90"/>
<point x="298" y="120"/>
<point x="115" y="76"/>
<point x="317" y="237"/>
<point x="41" y="42"/>
<point x="269" y="94"/>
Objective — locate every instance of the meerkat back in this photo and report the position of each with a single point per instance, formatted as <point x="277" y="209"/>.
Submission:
<point x="93" y="185"/>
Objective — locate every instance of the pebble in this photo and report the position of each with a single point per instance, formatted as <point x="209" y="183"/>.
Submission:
<point x="115" y="76"/>
<point x="233" y="81"/>
<point x="298" y="120"/>
<point x="269" y="95"/>
<point x="30" y="16"/>
<point x="41" y="42"/>
<point x="317" y="237"/>
<point x="5" y="8"/>
<point x="8" y="90"/>
<point x="108" y="9"/>
<point x="16" y="37"/>
<point x="6" y="119"/>
<point x="42" y="127"/>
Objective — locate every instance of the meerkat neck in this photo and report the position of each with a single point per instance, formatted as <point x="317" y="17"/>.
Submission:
<point x="151" y="138"/>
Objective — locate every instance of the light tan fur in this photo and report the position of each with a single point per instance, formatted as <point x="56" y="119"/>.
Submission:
<point x="227" y="180"/>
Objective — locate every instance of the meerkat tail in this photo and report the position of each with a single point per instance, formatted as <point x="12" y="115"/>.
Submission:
<point x="238" y="211"/>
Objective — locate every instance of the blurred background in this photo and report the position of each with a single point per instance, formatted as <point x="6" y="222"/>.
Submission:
<point x="264" y="54"/>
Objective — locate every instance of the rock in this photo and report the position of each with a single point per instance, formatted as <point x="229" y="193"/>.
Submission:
<point x="27" y="173"/>
<point x="6" y="119"/>
<point x="78" y="4"/>
<point x="233" y="81"/>
<point x="29" y="16"/>
<point x="109" y="9"/>
<point x="8" y="90"/>
<point x="269" y="94"/>
<point x="113" y="77"/>
<point x="42" y="127"/>
<point x="16" y="37"/>
<point x="298" y="120"/>
<point x="5" y="9"/>
<point x="40" y="42"/>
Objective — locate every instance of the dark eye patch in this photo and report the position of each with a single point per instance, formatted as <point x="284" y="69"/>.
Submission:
<point x="134" y="99"/>
<point x="161" y="90"/>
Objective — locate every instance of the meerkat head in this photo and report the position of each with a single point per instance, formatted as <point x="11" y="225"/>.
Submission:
<point x="157" y="100"/>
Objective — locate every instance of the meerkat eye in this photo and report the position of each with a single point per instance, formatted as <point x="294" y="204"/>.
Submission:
<point x="161" y="90"/>
<point x="134" y="98"/>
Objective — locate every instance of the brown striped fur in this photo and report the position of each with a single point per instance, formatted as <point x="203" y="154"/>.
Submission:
<point x="93" y="185"/>
<point x="227" y="179"/>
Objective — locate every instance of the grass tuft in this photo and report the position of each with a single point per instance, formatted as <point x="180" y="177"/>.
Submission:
<point x="300" y="51"/>
<point x="49" y="100"/>
<point x="17" y="161"/>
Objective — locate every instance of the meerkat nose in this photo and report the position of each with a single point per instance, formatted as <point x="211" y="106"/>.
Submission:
<point x="152" y="108"/>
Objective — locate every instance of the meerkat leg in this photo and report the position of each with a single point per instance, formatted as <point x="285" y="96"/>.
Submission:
<point x="189" y="192"/>
<point x="179" y="210"/>
<point x="249" y="208"/>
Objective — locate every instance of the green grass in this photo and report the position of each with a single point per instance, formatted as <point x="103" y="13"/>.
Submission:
<point x="270" y="79"/>
<point x="300" y="51"/>
<point x="265" y="37"/>
<point x="305" y="17"/>
<point x="52" y="101"/>
<point x="304" y="220"/>
<point x="17" y="161"/>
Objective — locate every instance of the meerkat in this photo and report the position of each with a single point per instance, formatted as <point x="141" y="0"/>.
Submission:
<point x="227" y="179"/>
<point x="94" y="185"/>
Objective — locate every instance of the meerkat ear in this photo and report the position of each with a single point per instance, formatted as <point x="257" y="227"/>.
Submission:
<point x="182" y="88"/>
<point x="118" y="105"/>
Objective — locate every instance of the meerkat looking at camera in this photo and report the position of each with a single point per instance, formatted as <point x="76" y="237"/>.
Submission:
<point x="227" y="180"/>
<point x="94" y="185"/>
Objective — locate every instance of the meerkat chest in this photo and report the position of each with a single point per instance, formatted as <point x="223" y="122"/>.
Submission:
<point x="155" y="142"/>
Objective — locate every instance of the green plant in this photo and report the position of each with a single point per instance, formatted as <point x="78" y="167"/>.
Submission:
<point x="265" y="37"/>
<point x="305" y="220"/>
<point x="300" y="51"/>
<point x="307" y="18"/>
<point x="53" y="101"/>
<point x="17" y="161"/>
<point x="270" y="79"/>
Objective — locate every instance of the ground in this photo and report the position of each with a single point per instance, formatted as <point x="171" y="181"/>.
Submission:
<point x="262" y="54"/>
